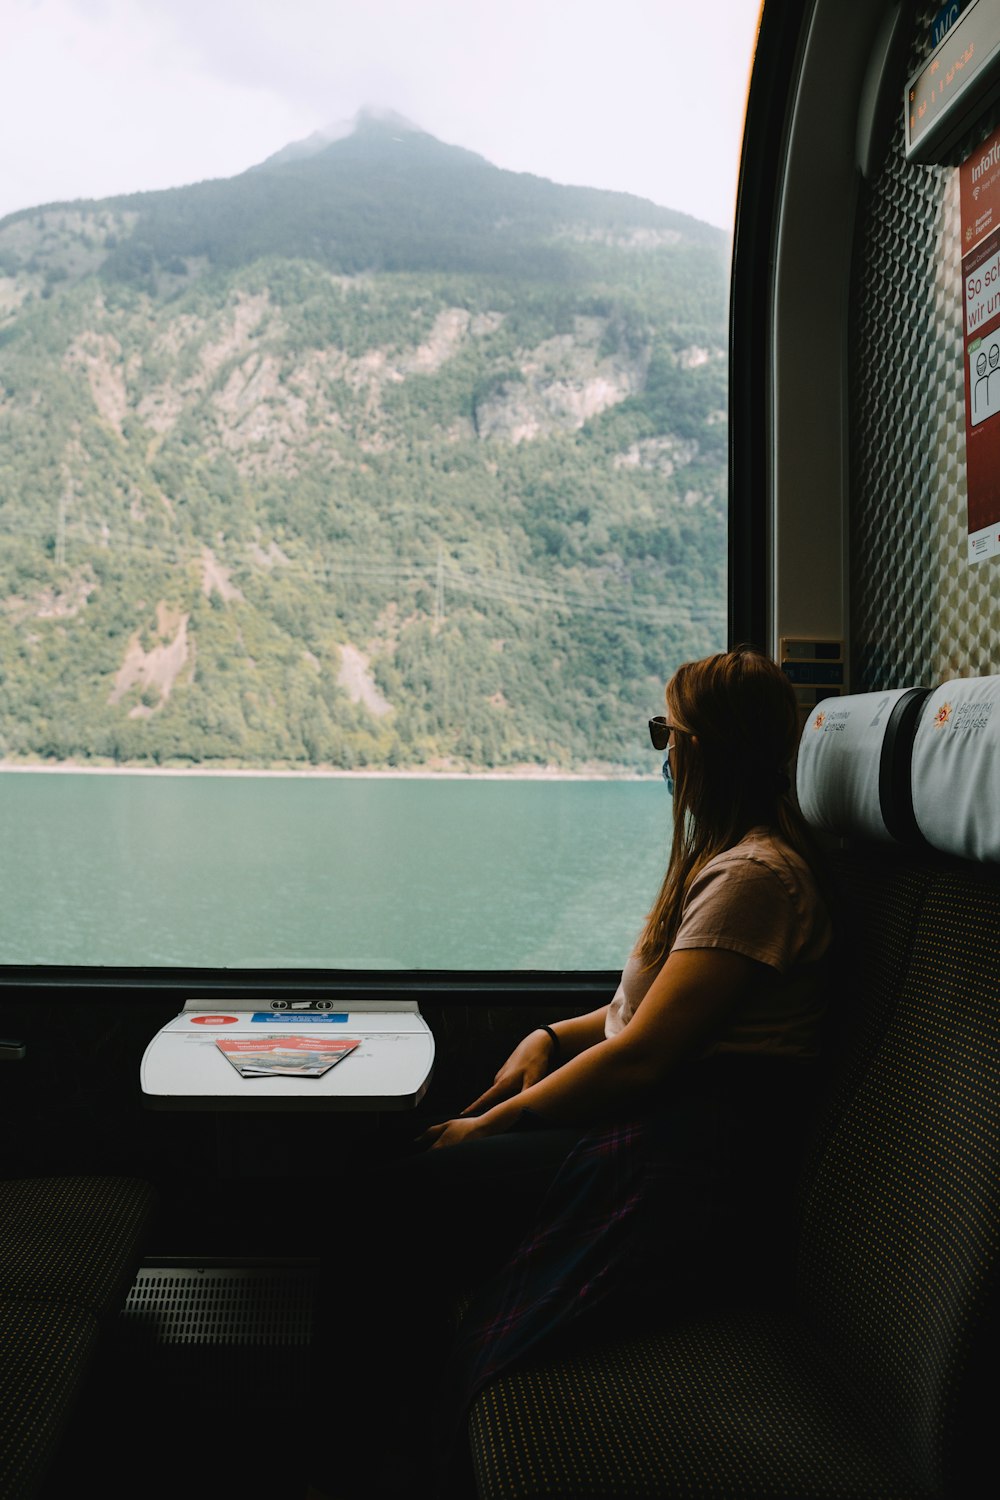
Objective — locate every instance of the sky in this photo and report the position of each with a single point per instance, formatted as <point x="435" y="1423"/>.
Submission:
<point x="99" y="97"/>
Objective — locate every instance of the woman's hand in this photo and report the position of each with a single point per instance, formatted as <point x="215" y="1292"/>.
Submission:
<point x="686" y="1008"/>
<point x="528" y="1062"/>
<point x="453" y="1132"/>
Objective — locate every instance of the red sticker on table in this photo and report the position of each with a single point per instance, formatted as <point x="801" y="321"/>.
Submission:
<point x="213" y="1020"/>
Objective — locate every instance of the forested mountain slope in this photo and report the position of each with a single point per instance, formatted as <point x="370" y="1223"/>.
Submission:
<point x="374" y="455"/>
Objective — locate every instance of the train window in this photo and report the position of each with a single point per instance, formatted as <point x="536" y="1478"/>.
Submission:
<point x="363" y="393"/>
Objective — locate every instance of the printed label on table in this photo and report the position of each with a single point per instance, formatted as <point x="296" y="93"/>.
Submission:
<point x="298" y="1017"/>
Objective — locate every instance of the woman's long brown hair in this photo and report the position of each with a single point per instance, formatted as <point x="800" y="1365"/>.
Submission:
<point x="736" y="728"/>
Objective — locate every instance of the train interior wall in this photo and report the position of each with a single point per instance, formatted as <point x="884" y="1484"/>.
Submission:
<point x="907" y="492"/>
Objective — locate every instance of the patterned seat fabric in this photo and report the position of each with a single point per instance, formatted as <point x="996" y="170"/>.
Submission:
<point x="741" y="1406"/>
<point x="879" y="896"/>
<point x="68" y="1250"/>
<point x="898" y="1259"/>
<point x="45" y="1349"/>
<point x="71" y="1239"/>
<point x="866" y="1388"/>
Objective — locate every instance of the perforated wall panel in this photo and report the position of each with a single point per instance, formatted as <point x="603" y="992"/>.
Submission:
<point x="920" y="613"/>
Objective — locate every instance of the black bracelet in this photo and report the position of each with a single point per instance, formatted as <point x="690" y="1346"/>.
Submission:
<point x="556" y="1047"/>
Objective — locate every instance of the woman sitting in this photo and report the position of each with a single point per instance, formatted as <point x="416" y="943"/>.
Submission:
<point x="628" y="1149"/>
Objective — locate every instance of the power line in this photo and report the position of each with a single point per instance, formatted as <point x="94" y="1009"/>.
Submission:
<point x="475" y="581"/>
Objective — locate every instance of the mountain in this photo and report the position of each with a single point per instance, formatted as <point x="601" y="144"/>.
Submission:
<point x="374" y="454"/>
<point x="365" y="119"/>
<point x="382" y="198"/>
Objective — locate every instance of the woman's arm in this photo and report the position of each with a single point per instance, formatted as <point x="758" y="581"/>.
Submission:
<point x="686" y="1007"/>
<point x="537" y="1053"/>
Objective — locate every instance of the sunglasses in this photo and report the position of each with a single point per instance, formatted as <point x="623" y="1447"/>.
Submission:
<point x="660" y="732"/>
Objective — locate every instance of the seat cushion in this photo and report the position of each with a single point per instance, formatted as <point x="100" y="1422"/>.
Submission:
<point x="740" y="1406"/>
<point x="71" y="1239"/>
<point x="45" y="1348"/>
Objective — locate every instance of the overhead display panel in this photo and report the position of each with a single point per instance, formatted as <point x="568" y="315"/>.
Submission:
<point x="956" y="84"/>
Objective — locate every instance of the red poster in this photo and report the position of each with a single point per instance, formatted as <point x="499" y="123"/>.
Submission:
<point x="980" y="193"/>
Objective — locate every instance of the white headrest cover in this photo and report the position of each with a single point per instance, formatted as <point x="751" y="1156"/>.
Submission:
<point x="840" y="755"/>
<point x="956" y="768"/>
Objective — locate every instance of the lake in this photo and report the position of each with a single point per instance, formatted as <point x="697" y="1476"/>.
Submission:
<point x="268" y="871"/>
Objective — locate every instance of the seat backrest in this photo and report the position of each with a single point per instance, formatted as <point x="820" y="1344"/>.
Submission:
<point x="956" y="768"/>
<point x="853" y="767"/>
<point x="897" y="1261"/>
<point x="853" y="781"/>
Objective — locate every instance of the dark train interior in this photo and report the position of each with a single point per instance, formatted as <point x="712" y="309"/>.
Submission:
<point x="850" y="523"/>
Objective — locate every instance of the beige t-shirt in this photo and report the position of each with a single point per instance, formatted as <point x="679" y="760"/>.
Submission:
<point x="759" y="899"/>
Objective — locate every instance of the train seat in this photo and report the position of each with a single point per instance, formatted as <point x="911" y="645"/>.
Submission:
<point x="853" y="766"/>
<point x="69" y="1247"/>
<point x="956" y="756"/>
<point x="868" y="1380"/>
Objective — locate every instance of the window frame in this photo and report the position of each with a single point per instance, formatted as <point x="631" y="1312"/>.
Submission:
<point x="777" y="57"/>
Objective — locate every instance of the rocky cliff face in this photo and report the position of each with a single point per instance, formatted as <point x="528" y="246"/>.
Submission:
<point x="560" y="384"/>
<point x="284" y="482"/>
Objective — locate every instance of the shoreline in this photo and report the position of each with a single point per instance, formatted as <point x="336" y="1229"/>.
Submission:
<point x="542" y="773"/>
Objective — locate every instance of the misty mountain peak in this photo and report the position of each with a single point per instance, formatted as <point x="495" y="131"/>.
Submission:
<point x="370" y="119"/>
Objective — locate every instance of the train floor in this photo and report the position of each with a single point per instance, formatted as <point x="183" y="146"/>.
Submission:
<point x="204" y="1386"/>
<point x="204" y="1389"/>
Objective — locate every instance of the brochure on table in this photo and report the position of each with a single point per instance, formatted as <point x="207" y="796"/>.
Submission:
<point x="291" y="1055"/>
<point x="184" y="1068"/>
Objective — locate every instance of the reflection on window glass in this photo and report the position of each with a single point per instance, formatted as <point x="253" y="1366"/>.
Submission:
<point x="362" y="419"/>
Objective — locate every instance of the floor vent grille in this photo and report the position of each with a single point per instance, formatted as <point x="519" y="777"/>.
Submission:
<point x="258" y="1305"/>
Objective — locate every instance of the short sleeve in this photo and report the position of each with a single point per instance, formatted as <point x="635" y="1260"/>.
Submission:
<point x="744" y="906"/>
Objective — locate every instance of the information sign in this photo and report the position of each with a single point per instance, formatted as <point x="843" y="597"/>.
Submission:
<point x="956" y="85"/>
<point x="979" y="183"/>
<point x="944" y="21"/>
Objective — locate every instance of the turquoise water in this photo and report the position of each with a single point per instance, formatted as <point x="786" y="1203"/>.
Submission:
<point x="313" y="872"/>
